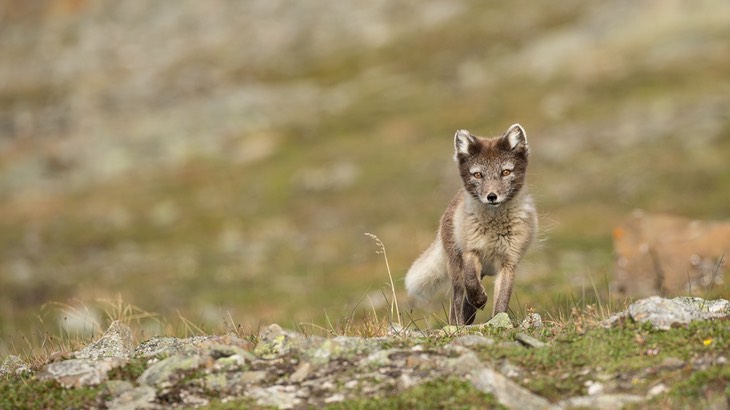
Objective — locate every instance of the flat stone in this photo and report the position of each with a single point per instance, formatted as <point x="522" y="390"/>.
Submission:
<point x="171" y="345"/>
<point x="322" y="351"/>
<point x="529" y="341"/>
<point x="472" y="341"/>
<point x="663" y="313"/>
<point x="507" y="392"/>
<point x="251" y="377"/>
<point x="600" y="401"/>
<point x="301" y="373"/>
<point x="79" y="372"/>
<point x="160" y="373"/>
<point x="141" y="397"/>
<point x="282" y="397"/>
<point x="117" y="387"/>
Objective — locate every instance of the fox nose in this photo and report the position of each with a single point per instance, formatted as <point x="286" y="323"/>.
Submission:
<point x="491" y="197"/>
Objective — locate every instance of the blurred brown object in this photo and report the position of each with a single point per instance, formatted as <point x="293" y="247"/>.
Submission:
<point x="669" y="255"/>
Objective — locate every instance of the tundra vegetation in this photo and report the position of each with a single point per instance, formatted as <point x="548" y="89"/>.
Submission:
<point x="196" y="170"/>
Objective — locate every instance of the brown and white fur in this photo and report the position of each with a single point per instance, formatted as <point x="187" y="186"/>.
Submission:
<point x="485" y="230"/>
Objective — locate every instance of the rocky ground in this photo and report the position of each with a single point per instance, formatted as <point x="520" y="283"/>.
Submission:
<point x="224" y="159"/>
<point x="494" y="364"/>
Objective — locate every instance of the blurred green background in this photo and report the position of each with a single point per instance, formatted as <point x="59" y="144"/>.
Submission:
<point x="222" y="160"/>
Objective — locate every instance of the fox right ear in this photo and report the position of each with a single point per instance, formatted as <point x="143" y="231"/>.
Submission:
<point x="463" y="140"/>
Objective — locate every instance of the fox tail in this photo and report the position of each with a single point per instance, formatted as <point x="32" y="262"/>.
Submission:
<point x="428" y="276"/>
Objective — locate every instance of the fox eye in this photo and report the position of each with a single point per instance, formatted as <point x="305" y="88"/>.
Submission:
<point x="477" y="175"/>
<point x="506" y="172"/>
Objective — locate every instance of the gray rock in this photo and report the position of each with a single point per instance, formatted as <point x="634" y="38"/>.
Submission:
<point x="322" y="351"/>
<point x="501" y="320"/>
<point x="529" y="341"/>
<point x="378" y="358"/>
<point x="511" y="370"/>
<point x="79" y="372"/>
<point x="117" y="387"/>
<point x="171" y="345"/>
<point x="216" y="382"/>
<point x="301" y="373"/>
<point x="600" y="401"/>
<point x="13" y="365"/>
<point x="250" y="377"/>
<point x="275" y="341"/>
<point x="672" y="363"/>
<point x="532" y="321"/>
<point x="463" y="364"/>
<point x="507" y="392"/>
<point x="472" y="341"/>
<point x="663" y="313"/>
<point x="160" y="373"/>
<point x="282" y="397"/>
<point x="115" y="343"/>
<point x="141" y="397"/>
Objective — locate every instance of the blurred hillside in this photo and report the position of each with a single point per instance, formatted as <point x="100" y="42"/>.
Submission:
<point x="226" y="157"/>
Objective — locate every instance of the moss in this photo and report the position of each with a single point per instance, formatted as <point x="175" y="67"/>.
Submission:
<point x="28" y="393"/>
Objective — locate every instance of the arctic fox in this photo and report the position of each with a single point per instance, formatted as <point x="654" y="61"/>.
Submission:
<point x="485" y="230"/>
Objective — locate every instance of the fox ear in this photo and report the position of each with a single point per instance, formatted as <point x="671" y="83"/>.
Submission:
<point x="463" y="140"/>
<point x="515" y="136"/>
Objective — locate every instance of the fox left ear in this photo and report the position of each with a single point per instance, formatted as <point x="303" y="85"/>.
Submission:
<point x="516" y="136"/>
<point x="464" y="144"/>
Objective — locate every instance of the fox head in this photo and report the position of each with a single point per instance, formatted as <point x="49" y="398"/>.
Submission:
<point x="493" y="169"/>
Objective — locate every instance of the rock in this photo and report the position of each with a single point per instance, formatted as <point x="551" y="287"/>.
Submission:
<point x="115" y="343"/>
<point x="171" y="345"/>
<point x="252" y="377"/>
<point x="321" y="351"/>
<point x="510" y="370"/>
<point x="660" y="388"/>
<point x="667" y="254"/>
<point x="600" y="401"/>
<point x="282" y="397"/>
<point x="463" y="364"/>
<point x="529" y="341"/>
<point x="79" y="372"/>
<point x="13" y="365"/>
<point x="501" y="320"/>
<point x="117" y="387"/>
<point x="672" y="363"/>
<point x="379" y="358"/>
<point x="301" y="373"/>
<point x="507" y="392"/>
<point x="663" y="313"/>
<point x="160" y="373"/>
<point x="216" y="382"/>
<point x="594" y="388"/>
<point x="274" y="341"/>
<point x="532" y="321"/>
<point x="141" y="397"/>
<point x="472" y="341"/>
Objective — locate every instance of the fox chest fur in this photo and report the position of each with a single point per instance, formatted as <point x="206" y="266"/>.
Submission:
<point x="498" y="236"/>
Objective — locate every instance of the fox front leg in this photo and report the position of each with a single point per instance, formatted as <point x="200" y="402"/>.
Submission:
<point x="458" y="295"/>
<point x="503" y="289"/>
<point x="476" y="297"/>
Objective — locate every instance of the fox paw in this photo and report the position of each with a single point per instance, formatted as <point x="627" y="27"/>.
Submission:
<point x="477" y="299"/>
